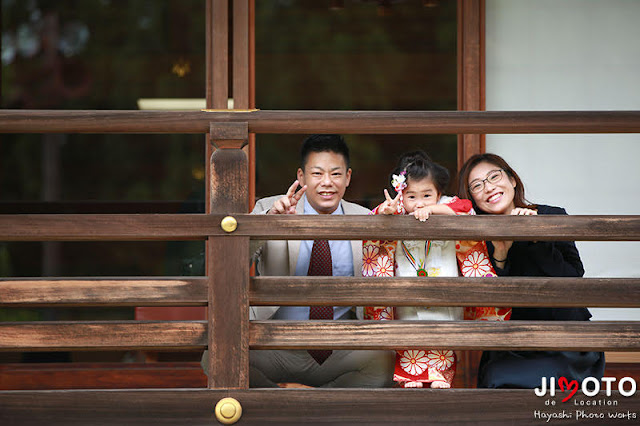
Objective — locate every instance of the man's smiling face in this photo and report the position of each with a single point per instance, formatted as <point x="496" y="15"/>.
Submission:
<point x="327" y="178"/>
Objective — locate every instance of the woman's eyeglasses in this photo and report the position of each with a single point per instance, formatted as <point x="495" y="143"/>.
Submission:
<point x="493" y="177"/>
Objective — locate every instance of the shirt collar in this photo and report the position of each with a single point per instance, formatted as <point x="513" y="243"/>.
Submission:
<point x="310" y="210"/>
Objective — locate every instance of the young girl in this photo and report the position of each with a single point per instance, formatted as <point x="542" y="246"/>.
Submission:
<point x="419" y="184"/>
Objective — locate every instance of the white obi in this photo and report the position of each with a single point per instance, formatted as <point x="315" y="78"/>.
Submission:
<point x="440" y="262"/>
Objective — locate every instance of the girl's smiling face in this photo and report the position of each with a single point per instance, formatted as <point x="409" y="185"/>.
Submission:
<point x="419" y="193"/>
<point x="494" y="198"/>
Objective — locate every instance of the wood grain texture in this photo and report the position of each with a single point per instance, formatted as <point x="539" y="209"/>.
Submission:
<point x="65" y="292"/>
<point x="547" y="227"/>
<point x="342" y="291"/>
<point x="443" y="291"/>
<point x="217" y="53"/>
<point x="107" y="227"/>
<point x="114" y="375"/>
<point x="471" y="82"/>
<point x="292" y="407"/>
<point x="229" y="135"/>
<point x="228" y="269"/>
<point x="128" y="335"/>
<point x="304" y="122"/>
<point x="485" y="335"/>
<point x="229" y="182"/>
<point x="240" y="53"/>
<point x="298" y="227"/>
<point x="103" y="335"/>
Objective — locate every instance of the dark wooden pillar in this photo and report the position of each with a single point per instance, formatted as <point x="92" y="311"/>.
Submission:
<point x="228" y="261"/>
<point x="243" y="77"/>
<point x="217" y="66"/>
<point x="471" y="95"/>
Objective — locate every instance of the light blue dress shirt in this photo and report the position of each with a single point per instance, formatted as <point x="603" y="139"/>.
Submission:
<point x="342" y="266"/>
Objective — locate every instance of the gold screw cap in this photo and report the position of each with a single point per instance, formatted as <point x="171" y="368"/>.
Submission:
<point x="228" y="411"/>
<point x="229" y="224"/>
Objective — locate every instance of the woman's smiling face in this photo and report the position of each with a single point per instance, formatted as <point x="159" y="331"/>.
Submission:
<point x="494" y="198"/>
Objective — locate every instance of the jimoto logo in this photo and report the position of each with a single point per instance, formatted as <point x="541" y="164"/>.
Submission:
<point x="590" y="386"/>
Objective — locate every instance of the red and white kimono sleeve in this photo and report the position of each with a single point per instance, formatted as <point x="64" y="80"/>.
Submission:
<point x="378" y="260"/>
<point x="429" y="365"/>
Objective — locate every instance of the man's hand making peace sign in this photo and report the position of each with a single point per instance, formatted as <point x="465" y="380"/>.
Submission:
<point x="287" y="204"/>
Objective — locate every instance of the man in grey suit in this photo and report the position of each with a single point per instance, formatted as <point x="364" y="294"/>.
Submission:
<point x="323" y="176"/>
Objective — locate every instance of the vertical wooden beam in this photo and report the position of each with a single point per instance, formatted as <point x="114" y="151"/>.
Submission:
<point x="252" y="102"/>
<point x="217" y="69"/>
<point x="217" y="93"/>
<point x="471" y="95"/>
<point x="244" y="73"/>
<point x="252" y="54"/>
<point x="240" y="54"/>
<point x="217" y="55"/>
<point x="228" y="262"/>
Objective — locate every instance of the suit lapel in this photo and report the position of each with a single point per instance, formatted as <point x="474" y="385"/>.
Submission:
<point x="356" y="249"/>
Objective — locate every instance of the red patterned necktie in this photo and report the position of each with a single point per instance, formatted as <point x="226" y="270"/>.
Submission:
<point x="320" y="265"/>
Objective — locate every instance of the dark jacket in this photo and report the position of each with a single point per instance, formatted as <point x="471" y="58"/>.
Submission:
<point x="525" y="369"/>
<point x="544" y="259"/>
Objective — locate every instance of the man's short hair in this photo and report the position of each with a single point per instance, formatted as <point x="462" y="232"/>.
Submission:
<point x="324" y="143"/>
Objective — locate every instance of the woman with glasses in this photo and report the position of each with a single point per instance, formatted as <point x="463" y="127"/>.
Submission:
<point x="495" y="188"/>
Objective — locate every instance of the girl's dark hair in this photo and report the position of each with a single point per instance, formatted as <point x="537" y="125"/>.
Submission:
<point x="418" y="165"/>
<point x="463" y="183"/>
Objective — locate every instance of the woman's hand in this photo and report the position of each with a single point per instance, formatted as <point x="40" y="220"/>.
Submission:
<point x="500" y="251"/>
<point x="501" y="248"/>
<point x="521" y="211"/>
<point x="390" y="205"/>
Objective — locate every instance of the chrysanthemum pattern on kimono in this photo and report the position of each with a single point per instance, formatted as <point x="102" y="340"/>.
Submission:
<point x="443" y="258"/>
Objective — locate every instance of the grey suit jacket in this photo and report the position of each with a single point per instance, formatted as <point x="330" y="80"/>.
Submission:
<point x="279" y="257"/>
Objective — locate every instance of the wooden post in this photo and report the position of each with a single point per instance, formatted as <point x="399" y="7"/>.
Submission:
<point x="471" y="94"/>
<point x="244" y="76"/>
<point x="228" y="262"/>
<point x="471" y="97"/>
<point x="217" y="66"/>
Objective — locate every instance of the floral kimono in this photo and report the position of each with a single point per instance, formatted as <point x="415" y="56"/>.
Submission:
<point x="429" y="259"/>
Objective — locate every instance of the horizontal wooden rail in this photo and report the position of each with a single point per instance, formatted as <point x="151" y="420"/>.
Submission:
<point x="308" y="406"/>
<point x="441" y="291"/>
<point x="65" y="292"/>
<point x="143" y="227"/>
<point x="101" y="375"/>
<point x="336" y="291"/>
<point x="343" y="291"/>
<point x="469" y="335"/>
<point x="304" y="122"/>
<point x="516" y="335"/>
<point x="103" y="335"/>
<point x="164" y="375"/>
<point x="105" y="227"/>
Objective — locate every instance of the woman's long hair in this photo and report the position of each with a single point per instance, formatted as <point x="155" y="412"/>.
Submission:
<point x="519" y="199"/>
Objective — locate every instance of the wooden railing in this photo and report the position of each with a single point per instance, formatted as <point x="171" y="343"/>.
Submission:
<point x="301" y="122"/>
<point x="228" y="290"/>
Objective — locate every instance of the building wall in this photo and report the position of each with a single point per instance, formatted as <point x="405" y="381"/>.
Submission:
<point x="571" y="55"/>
